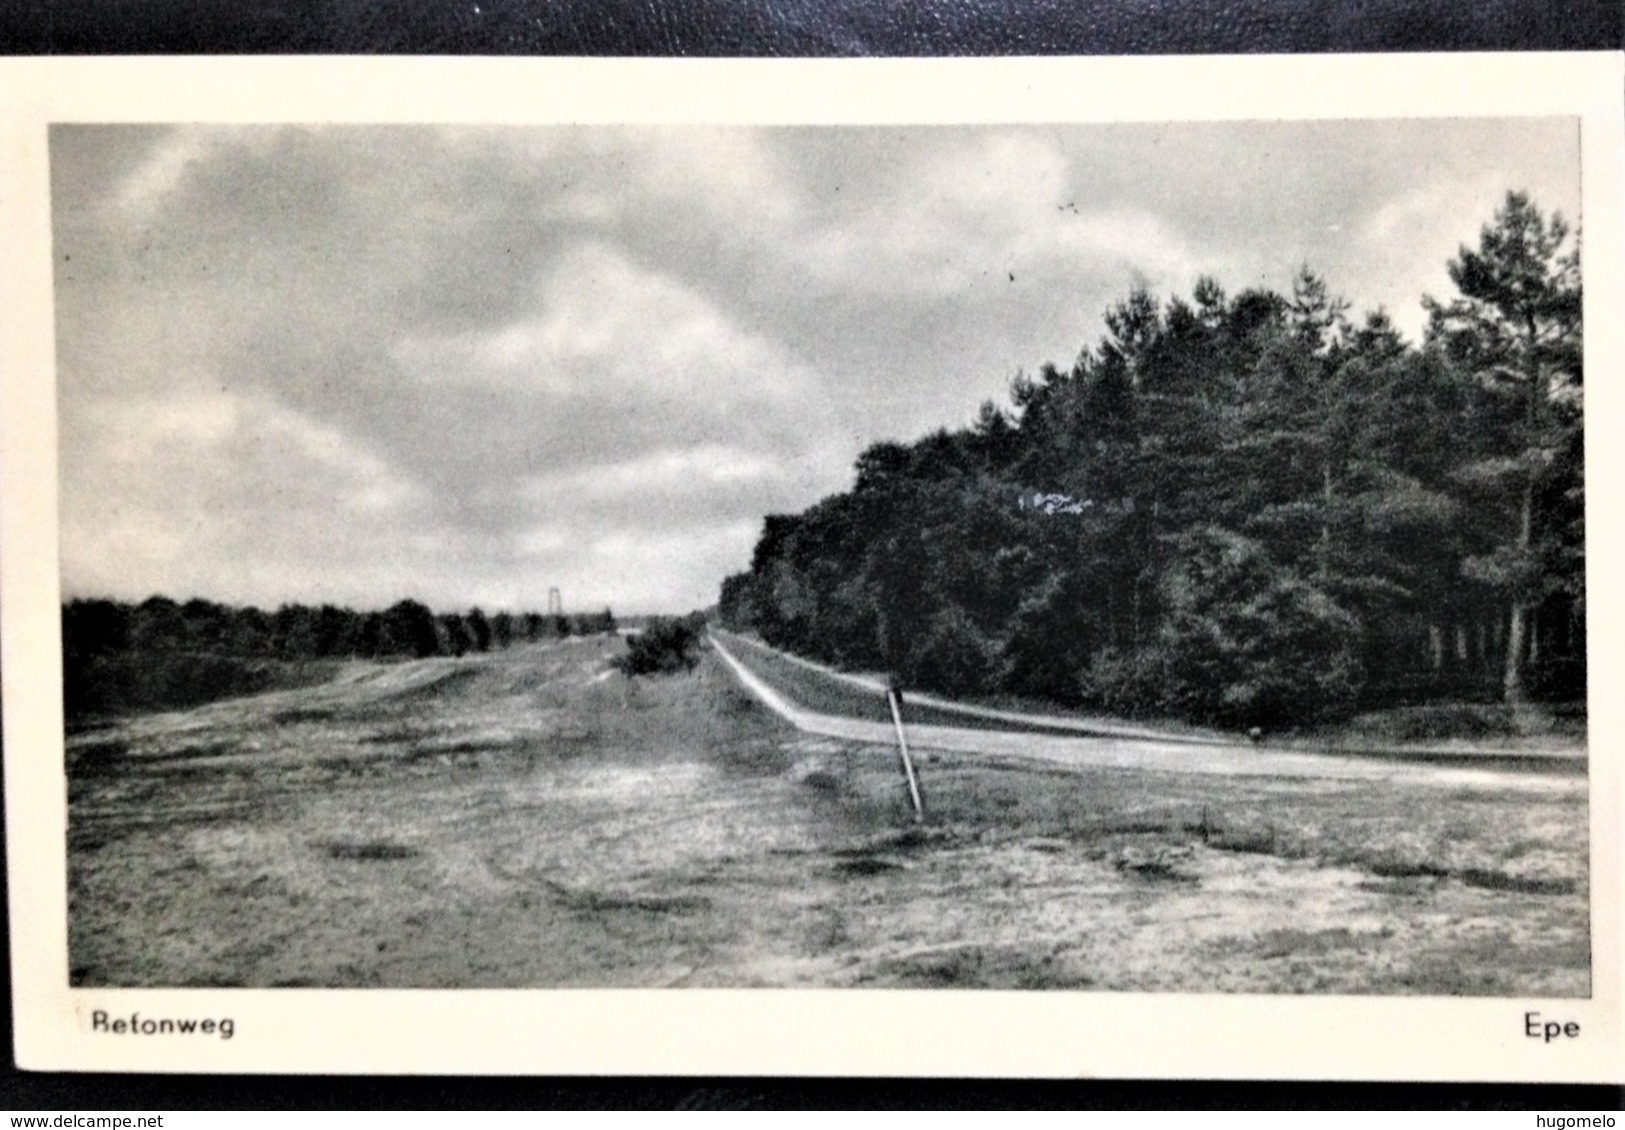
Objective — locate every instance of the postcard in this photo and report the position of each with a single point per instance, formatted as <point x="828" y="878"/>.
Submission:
<point x="1023" y="567"/>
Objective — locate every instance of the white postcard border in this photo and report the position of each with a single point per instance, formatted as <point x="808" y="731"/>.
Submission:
<point x="790" y="1032"/>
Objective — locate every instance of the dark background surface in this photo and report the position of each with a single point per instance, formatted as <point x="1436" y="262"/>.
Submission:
<point x="804" y="27"/>
<point x="767" y="29"/>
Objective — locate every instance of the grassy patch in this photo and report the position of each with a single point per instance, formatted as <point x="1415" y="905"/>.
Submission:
<point x="1458" y="721"/>
<point x="919" y="837"/>
<point x="1407" y="838"/>
<point x="1246" y="842"/>
<point x="1405" y="869"/>
<point x="976" y="966"/>
<point x="370" y="850"/>
<point x="452" y="682"/>
<point x="1135" y="828"/>
<point x="299" y="714"/>
<point x="597" y="902"/>
<point x="605" y="869"/>
<point x="1275" y="944"/>
<point x="464" y="746"/>
<point x="98" y="759"/>
<point x="1442" y="720"/>
<point x="107" y="687"/>
<point x="822" y="780"/>
<point x="1528" y="885"/>
<point x="690" y="714"/>
<point x="866" y="865"/>
<point x="1154" y="869"/>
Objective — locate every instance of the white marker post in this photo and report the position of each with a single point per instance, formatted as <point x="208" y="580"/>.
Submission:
<point x="908" y="765"/>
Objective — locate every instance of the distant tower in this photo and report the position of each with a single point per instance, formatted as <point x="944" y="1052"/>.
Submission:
<point x="555" y="602"/>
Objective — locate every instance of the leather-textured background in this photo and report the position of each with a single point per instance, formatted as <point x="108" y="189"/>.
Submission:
<point x="803" y="27"/>
<point x="782" y="28"/>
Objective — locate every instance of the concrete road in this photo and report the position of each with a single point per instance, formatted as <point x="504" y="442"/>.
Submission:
<point x="1143" y="749"/>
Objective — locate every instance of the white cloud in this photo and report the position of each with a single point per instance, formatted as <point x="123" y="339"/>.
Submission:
<point x="219" y="485"/>
<point x="145" y="188"/>
<point x="1404" y="248"/>
<point x="464" y="363"/>
<point x="728" y="175"/>
<point x="603" y="326"/>
<point x="1127" y="237"/>
<point x="658" y="472"/>
<point x="995" y="207"/>
<point x="1438" y="211"/>
<point x="676" y="570"/>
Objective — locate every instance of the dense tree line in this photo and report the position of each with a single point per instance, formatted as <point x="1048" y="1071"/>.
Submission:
<point x="1245" y="509"/>
<point x="118" y="656"/>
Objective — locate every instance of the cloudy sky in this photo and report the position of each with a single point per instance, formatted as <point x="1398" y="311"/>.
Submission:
<point x="356" y="364"/>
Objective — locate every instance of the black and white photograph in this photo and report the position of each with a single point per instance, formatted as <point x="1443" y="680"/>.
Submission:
<point x="1140" y="557"/>
<point x="1031" y="562"/>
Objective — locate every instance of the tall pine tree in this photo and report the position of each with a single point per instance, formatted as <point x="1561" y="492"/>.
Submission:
<point x="1515" y="333"/>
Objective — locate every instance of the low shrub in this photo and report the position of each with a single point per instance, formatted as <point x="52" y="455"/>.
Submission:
<point x="665" y="646"/>
<point x="99" y="688"/>
<point x="1441" y="720"/>
<point x="1244" y="642"/>
<point x="951" y="656"/>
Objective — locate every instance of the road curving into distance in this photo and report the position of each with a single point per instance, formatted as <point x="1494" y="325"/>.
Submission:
<point x="817" y="700"/>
